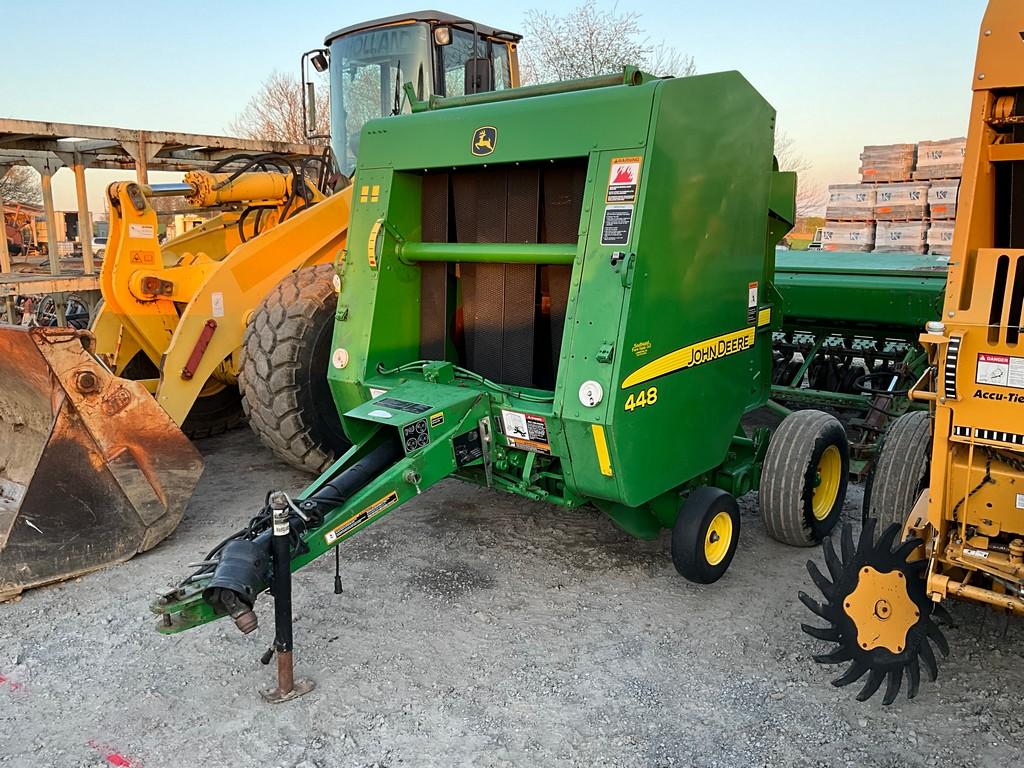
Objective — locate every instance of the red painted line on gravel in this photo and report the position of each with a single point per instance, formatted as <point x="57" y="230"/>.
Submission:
<point x="115" y="759"/>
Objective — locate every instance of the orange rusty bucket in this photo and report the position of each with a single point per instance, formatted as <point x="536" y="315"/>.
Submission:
<point x="92" y="470"/>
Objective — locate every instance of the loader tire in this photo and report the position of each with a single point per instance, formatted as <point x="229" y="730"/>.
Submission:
<point x="803" y="480"/>
<point x="900" y="472"/>
<point x="214" y="414"/>
<point x="283" y="379"/>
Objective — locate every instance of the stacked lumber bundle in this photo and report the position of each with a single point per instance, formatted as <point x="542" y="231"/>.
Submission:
<point x="940" y="159"/>
<point x="901" y="237"/>
<point x="850" y="202"/>
<point x="902" y="202"/>
<point x="940" y="238"/>
<point x="848" y="236"/>
<point x="889" y="162"/>
<point x="942" y="197"/>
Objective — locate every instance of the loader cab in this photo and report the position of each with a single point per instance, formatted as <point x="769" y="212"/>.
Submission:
<point x="440" y="54"/>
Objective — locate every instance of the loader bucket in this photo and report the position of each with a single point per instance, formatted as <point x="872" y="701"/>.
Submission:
<point x="92" y="470"/>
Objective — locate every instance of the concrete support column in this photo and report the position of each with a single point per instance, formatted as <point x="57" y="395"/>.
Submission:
<point x="46" y="176"/>
<point x="84" y="218"/>
<point x="142" y="151"/>
<point x="5" y="255"/>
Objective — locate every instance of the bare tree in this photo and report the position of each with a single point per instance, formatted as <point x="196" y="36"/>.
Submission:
<point x="590" y="40"/>
<point x="810" y="198"/>
<point x="275" y="112"/>
<point x="20" y="185"/>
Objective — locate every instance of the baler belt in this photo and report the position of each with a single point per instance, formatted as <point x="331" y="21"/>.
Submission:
<point x="499" y="300"/>
<point x="563" y="201"/>
<point x="434" y="281"/>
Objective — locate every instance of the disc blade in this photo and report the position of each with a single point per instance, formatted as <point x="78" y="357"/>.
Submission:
<point x="904" y="550"/>
<point x="828" y="634"/>
<point x="813" y="605"/>
<point x="837" y="656"/>
<point x="851" y="675"/>
<point x="928" y="657"/>
<point x="867" y="538"/>
<point x="835" y="568"/>
<point x="827" y="587"/>
<point x="914" y="677"/>
<point x="936" y="636"/>
<point x="886" y="540"/>
<point x="846" y="543"/>
<point x="892" y="686"/>
<point x="875" y="679"/>
<point x="939" y="613"/>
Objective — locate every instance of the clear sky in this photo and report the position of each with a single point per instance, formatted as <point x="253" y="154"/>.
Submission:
<point x="840" y="74"/>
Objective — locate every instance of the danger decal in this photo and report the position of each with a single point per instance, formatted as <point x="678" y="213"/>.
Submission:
<point x="1000" y="371"/>
<point x="525" y="431"/>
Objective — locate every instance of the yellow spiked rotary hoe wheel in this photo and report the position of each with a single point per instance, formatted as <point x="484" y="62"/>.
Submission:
<point x="877" y="611"/>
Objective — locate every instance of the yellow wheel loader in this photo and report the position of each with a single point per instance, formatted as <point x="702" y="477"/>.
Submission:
<point x="944" y="505"/>
<point x="234" y="316"/>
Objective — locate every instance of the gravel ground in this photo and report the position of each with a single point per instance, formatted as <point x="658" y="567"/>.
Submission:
<point x="479" y="629"/>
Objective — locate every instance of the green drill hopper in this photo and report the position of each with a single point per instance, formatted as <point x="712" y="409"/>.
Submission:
<point x="565" y="293"/>
<point x="848" y="341"/>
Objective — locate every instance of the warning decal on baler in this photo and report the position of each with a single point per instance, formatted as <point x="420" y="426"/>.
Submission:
<point x="525" y="431"/>
<point x="618" y="221"/>
<point x="693" y="355"/>
<point x="364" y="516"/>
<point x="623" y="179"/>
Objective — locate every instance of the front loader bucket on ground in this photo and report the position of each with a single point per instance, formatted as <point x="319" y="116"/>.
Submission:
<point x="92" y="470"/>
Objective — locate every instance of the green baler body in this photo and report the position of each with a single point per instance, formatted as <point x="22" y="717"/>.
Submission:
<point x="708" y="210"/>
<point x="669" y="316"/>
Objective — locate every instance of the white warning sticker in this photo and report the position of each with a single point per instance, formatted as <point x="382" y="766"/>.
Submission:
<point x="751" y="302"/>
<point x="217" y="300"/>
<point x="526" y="431"/>
<point x="1020" y="501"/>
<point x="618" y="222"/>
<point x="141" y="230"/>
<point x="1000" y="371"/>
<point x="623" y="179"/>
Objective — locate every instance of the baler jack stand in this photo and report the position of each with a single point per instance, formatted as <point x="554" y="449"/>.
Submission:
<point x="288" y="687"/>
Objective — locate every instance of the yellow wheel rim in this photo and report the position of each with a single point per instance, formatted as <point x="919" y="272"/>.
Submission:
<point x="826" y="482"/>
<point x="718" y="538"/>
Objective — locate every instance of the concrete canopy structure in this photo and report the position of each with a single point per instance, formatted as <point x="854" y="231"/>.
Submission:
<point x="48" y="147"/>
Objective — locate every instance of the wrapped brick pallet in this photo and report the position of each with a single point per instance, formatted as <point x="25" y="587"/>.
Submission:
<point x="942" y="199"/>
<point x="850" y="202"/>
<point x="901" y="237"/>
<point x="940" y="159"/>
<point x="940" y="238"/>
<point x="890" y="162"/>
<point x="848" y="236"/>
<point x="902" y="202"/>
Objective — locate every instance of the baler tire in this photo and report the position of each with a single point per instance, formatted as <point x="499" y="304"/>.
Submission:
<point x="214" y="414"/>
<point x="900" y="473"/>
<point x="792" y="473"/>
<point x="283" y="379"/>
<point x="706" y="511"/>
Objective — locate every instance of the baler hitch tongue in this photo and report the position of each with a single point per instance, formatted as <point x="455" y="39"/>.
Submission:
<point x="92" y="470"/>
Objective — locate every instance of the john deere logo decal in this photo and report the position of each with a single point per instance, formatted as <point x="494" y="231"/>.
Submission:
<point x="484" y="140"/>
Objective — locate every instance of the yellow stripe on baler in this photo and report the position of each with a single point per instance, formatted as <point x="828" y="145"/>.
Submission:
<point x="693" y="355"/>
<point x="604" y="459"/>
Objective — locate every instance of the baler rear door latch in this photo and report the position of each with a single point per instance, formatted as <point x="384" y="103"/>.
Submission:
<point x="622" y="263"/>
